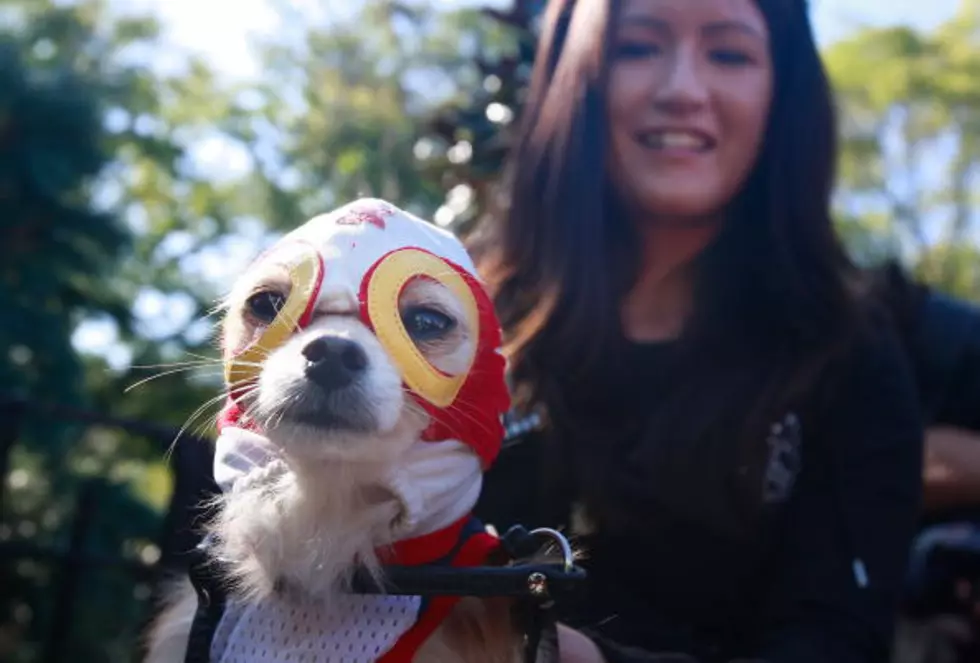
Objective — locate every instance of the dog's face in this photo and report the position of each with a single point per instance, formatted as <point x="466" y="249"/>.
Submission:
<point x="329" y="387"/>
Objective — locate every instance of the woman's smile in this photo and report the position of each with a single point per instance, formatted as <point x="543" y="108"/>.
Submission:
<point x="688" y="100"/>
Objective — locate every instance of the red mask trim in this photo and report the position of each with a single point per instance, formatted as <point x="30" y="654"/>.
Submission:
<point x="302" y="322"/>
<point x="474" y="416"/>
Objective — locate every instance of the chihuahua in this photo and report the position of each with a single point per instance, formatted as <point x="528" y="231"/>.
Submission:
<point x="365" y="392"/>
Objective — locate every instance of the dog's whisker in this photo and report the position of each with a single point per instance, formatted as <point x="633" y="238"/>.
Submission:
<point x="162" y="374"/>
<point x="250" y="364"/>
<point x="421" y="411"/>
<point x="292" y="322"/>
<point x="282" y="413"/>
<point x="200" y="411"/>
<point x="219" y="308"/>
<point x="217" y="360"/>
<point x="459" y="407"/>
<point x="175" y="364"/>
<point x="221" y="305"/>
<point x="262" y="351"/>
<point x="415" y="408"/>
<point x="472" y="418"/>
<point x="206" y="423"/>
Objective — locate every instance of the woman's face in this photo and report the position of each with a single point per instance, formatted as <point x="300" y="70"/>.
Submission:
<point x="688" y="98"/>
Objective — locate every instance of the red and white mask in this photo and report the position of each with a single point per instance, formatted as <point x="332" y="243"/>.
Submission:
<point x="409" y="328"/>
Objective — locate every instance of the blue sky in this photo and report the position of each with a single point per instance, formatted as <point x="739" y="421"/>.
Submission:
<point x="221" y="30"/>
<point x="833" y="19"/>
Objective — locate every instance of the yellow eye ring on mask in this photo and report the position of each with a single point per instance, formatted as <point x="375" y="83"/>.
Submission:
<point x="305" y="277"/>
<point x="381" y="295"/>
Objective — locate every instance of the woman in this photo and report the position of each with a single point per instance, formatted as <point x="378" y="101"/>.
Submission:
<point x="730" y="433"/>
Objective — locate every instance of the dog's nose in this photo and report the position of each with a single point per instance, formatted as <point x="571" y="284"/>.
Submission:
<point x="333" y="363"/>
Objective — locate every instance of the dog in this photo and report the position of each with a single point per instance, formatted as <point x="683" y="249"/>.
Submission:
<point x="365" y="392"/>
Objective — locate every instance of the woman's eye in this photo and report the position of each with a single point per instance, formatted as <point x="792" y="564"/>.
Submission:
<point x="426" y="324"/>
<point x="730" y="57"/>
<point x="636" y="51"/>
<point x="265" y="305"/>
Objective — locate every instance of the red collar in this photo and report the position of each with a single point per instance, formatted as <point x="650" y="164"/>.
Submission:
<point x="426" y="548"/>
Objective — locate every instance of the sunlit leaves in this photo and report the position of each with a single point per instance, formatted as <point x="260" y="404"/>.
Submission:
<point x="910" y="122"/>
<point x="345" y="100"/>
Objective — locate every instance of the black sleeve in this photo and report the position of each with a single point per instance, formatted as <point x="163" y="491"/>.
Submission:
<point x="511" y="487"/>
<point x="852" y="518"/>
<point x="945" y="346"/>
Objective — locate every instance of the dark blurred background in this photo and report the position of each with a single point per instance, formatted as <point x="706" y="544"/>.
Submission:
<point x="148" y="149"/>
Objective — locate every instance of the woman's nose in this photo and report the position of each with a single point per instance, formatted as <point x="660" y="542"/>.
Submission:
<point x="682" y="87"/>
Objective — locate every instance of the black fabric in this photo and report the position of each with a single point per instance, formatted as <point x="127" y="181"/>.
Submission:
<point x="792" y="595"/>
<point x="942" y="336"/>
<point x="944" y="342"/>
<point x="206" y="576"/>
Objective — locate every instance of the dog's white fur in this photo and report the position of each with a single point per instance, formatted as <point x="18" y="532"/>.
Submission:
<point x="307" y="517"/>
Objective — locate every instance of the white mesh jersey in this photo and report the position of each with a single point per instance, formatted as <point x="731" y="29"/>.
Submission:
<point x="350" y="629"/>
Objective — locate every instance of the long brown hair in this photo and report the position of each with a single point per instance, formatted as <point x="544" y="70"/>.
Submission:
<point x="772" y="300"/>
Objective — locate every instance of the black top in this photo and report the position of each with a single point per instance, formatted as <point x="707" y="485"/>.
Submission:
<point x="943" y="339"/>
<point x="820" y="585"/>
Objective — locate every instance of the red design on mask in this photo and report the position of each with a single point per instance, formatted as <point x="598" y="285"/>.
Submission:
<point x="374" y="215"/>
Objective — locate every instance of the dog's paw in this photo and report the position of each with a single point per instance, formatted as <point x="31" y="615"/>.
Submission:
<point x="263" y="478"/>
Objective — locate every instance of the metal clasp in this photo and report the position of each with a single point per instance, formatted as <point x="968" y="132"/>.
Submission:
<point x="568" y="559"/>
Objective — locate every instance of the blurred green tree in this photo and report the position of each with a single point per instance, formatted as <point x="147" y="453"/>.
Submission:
<point x="911" y="147"/>
<point x="57" y="246"/>
<point x="465" y="141"/>
<point x="334" y="116"/>
<point x="93" y="187"/>
<point x="56" y="251"/>
<point x="343" y="98"/>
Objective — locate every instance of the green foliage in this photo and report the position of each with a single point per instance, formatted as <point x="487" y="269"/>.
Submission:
<point x="57" y="250"/>
<point x="50" y="149"/>
<point x="466" y="141"/>
<point x="68" y="253"/>
<point x="341" y="104"/>
<point x="911" y="146"/>
<point x="337" y="108"/>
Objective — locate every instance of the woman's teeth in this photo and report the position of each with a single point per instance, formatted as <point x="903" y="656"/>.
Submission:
<point x="674" y="140"/>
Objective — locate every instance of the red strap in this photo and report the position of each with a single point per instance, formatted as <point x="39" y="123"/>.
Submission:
<point x="426" y="548"/>
<point x="474" y="552"/>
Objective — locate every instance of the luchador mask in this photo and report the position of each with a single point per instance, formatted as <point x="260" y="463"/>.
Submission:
<point x="374" y="250"/>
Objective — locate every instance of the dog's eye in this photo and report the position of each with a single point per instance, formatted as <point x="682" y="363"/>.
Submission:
<point x="265" y="305"/>
<point x="426" y="324"/>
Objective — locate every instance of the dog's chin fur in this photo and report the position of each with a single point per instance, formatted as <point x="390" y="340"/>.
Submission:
<point x="304" y="443"/>
<point x="309" y="519"/>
